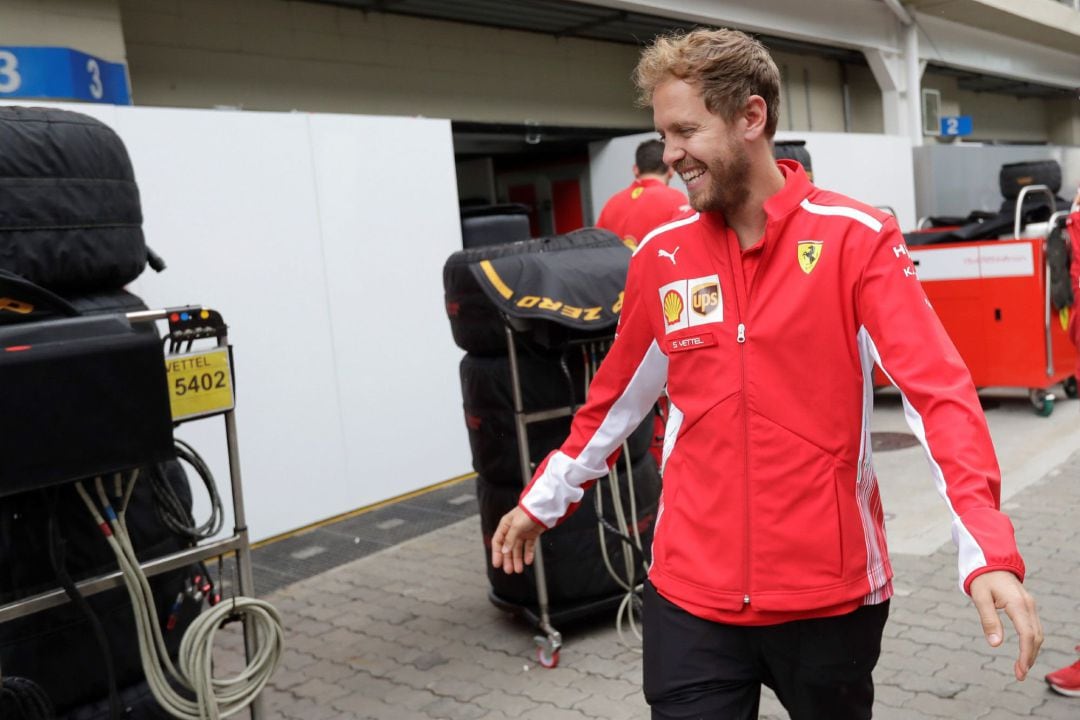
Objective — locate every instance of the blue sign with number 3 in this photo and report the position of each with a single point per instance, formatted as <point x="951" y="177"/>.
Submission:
<point x="55" y="73"/>
<point x="956" y="125"/>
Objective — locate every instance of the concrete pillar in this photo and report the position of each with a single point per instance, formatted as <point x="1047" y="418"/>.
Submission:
<point x="913" y="84"/>
<point x="887" y="70"/>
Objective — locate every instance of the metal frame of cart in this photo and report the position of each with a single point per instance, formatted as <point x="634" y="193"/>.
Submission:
<point x="549" y="643"/>
<point x="237" y="543"/>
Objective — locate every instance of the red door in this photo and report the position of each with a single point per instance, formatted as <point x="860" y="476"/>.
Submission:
<point x="566" y="205"/>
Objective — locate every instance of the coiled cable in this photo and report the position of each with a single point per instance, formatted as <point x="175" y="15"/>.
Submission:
<point x="214" y="697"/>
<point x="172" y="512"/>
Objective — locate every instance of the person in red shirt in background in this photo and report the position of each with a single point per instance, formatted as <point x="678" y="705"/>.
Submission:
<point x="648" y="202"/>
<point x="1066" y="681"/>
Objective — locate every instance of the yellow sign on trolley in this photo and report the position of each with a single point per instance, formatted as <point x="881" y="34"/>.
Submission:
<point x="200" y="383"/>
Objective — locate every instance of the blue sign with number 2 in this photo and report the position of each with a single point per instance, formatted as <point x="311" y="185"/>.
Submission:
<point x="56" y="73"/>
<point x="956" y="125"/>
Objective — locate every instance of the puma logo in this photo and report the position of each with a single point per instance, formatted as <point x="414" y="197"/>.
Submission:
<point x="669" y="255"/>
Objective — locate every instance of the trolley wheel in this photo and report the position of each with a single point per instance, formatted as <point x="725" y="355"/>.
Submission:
<point x="1071" y="391"/>
<point x="1042" y="402"/>
<point x="547" y="649"/>
<point x="548" y="659"/>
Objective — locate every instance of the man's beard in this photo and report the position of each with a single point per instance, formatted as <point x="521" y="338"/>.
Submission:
<point x="729" y="184"/>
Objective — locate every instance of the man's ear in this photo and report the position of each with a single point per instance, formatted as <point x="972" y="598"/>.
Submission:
<point x="755" y="115"/>
<point x="637" y="173"/>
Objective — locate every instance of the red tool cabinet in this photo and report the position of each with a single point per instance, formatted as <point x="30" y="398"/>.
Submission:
<point x="993" y="298"/>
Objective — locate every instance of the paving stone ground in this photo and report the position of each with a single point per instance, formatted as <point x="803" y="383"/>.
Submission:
<point x="408" y="633"/>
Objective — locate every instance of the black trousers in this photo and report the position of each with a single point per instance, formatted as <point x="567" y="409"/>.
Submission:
<point x="819" y="669"/>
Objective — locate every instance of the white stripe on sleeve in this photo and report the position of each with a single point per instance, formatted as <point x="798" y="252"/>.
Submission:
<point x="971" y="556"/>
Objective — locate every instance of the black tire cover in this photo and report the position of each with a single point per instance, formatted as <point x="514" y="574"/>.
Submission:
<point x="70" y="217"/>
<point x="1059" y="258"/>
<point x="1014" y="177"/>
<point x="475" y="322"/>
<point x="572" y="556"/>
<point x="106" y="302"/>
<point x="547" y="382"/>
<point x="794" y="150"/>
<point x="488" y="404"/>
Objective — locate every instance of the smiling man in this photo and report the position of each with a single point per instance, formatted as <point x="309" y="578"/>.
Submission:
<point x="764" y="314"/>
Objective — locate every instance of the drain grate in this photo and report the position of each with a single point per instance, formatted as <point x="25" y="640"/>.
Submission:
<point x="886" y="441"/>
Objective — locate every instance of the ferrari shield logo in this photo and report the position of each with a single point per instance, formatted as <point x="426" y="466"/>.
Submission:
<point x="809" y="252"/>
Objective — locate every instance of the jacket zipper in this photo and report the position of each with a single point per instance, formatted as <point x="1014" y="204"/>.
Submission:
<point x="741" y="339"/>
<point x="741" y="299"/>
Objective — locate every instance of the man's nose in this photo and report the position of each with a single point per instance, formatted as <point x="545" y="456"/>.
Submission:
<point x="672" y="152"/>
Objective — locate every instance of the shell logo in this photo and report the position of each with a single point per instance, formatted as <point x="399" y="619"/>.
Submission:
<point x="636" y="193"/>
<point x="673" y="307"/>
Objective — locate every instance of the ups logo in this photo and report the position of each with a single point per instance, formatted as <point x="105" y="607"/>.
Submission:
<point x="705" y="298"/>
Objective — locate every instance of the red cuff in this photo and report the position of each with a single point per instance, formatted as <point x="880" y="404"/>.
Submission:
<point x="1017" y="571"/>
<point x="531" y="516"/>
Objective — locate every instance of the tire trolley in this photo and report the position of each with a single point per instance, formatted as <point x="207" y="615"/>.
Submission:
<point x="196" y="361"/>
<point x="557" y="302"/>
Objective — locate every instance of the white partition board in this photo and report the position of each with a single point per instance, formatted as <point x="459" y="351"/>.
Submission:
<point x="389" y="219"/>
<point x="321" y="241"/>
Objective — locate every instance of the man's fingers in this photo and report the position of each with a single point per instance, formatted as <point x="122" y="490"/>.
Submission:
<point x="499" y="540"/>
<point x="519" y="563"/>
<point x="513" y="544"/>
<point x="1025" y="619"/>
<point x="530" y="551"/>
<point x="988" y="617"/>
<point x="511" y="550"/>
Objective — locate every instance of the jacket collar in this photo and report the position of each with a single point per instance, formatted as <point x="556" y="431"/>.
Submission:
<point x="797" y="187"/>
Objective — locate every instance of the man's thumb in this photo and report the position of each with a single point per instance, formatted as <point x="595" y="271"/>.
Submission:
<point x="991" y="623"/>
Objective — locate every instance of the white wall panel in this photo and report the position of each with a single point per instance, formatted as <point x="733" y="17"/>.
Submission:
<point x="389" y="219"/>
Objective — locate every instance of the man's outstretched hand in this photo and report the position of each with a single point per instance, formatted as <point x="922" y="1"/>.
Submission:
<point x="1001" y="590"/>
<point x="513" y="546"/>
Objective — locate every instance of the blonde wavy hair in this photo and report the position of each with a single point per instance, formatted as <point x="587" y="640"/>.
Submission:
<point x="727" y="65"/>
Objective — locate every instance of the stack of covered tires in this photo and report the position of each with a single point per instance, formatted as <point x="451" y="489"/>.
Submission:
<point x="794" y="150"/>
<point x="552" y="364"/>
<point x="71" y="222"/>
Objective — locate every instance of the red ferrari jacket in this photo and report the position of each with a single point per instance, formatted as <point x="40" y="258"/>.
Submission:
<point x="770" y="507"/>
<point x="634" y="212"/>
